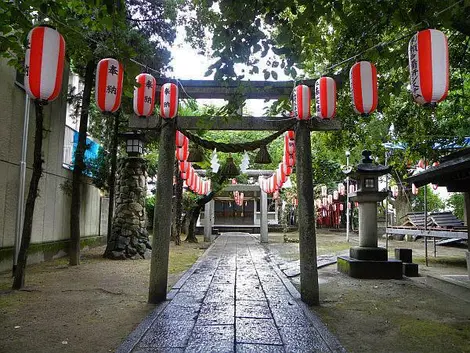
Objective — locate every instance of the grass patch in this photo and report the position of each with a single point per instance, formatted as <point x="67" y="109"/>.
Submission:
<point x="451" y="261"/>
<point x="453" y="336"/>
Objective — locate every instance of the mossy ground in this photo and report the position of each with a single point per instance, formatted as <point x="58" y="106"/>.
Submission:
<point x="374" y="316"/>
<point x="88" y="308"/>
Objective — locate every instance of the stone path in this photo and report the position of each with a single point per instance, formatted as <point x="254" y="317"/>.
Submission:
<point x="232" y="300"/>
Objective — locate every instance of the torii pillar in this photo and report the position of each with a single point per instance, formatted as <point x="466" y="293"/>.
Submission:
<point x="309" y="290"/>
<point x="263" y="222"/>
<point x="162" y="216"/>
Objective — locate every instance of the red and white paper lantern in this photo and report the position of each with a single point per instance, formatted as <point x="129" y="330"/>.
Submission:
<point x="288" y="159"/>
<point x="144" y="95"/>
<point x="108" y="85"/>
<point x="290" y="134"/>
<point x="179" y="139"/>
<point x="44" y="63"/>
<point x="184" y="166"/>
<point x="428" y="56"/>
<point x="289" y="145"/>
<point x="169" y="101"/>
<point x="301" y="99"/>
<point x="325" y="97"/>
<point x="287" y="170"/>
<point x="363" y="79"/>
<point x="182" y="152"/>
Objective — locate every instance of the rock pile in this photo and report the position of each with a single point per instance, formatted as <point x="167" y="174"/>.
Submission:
<point x="129" y="236"/>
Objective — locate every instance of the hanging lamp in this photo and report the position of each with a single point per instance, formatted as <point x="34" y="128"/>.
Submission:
<point x="263" y="157"/>
<point x="196" y="154"/>
<point x="229" y="169"/>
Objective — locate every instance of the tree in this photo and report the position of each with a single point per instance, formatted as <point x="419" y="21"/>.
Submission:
<point x="457" y="203"/>
<point x="434" y="202"/>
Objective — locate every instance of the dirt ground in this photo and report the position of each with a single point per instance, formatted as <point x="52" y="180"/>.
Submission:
<point x="371" y="316"/>
<point x="89" y="308"/>
<point x="93" y="307"/>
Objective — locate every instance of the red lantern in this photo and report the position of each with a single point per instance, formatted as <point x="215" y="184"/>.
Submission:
<point x="414" y="189"/>
<point x="184" y="166"/>
<point x="182" y="152"/>
<point x="144" y="95"/>
<point x="363" y="79"/>
<point x="428" y="56"/>
<point x="289" y="145"/>
<point x="183" y="175"/>
<point x="108" y="85"/>
<point x="179" y="138"/>
<point x="335" y="195"/>
<point x="169" y="101"/>
<point x="290" y="134"/>
<point x="330" y="199"/>
<point x="325" y="97"/>
<point x="289" y="160"/>
<point x="301" y="99"/>
<point x="287" y="170"/>
<point x="341" y="206"/>
<point x="44" y="63"/>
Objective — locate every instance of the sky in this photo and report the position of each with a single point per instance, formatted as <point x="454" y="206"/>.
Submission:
<point x="189" y="65"/>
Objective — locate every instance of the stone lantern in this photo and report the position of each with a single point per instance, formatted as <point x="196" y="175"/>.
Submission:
<point x="134" y="143"/>
<point x="368" y="260"/>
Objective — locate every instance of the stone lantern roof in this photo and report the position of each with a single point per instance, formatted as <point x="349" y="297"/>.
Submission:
<point x="367" y="167"/>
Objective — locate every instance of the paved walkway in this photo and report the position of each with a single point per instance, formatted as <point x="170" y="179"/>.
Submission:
<point x="232" y="300"/>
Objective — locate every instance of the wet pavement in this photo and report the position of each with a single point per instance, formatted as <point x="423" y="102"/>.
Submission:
<point x="232" y="300"/>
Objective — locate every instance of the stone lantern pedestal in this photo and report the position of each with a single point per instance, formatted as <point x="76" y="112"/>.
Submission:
<point x="368" y="260"/>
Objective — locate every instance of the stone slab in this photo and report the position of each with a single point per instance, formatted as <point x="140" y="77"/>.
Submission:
<point x="391" y="269"/>
<point x="410" y="270"/>
<point x="405" y="255"/>
<point x="370" y="254"/>
<point x="206" y="314"/>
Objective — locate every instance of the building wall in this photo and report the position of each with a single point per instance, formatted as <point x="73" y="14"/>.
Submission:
<point x="51" y="216"/>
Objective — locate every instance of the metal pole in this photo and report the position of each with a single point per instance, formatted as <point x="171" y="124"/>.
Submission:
<point x="347" y="198"/>
<point x="386" y="204"/>
<point x="20" y="208"/>
<point x="425" y="219"/>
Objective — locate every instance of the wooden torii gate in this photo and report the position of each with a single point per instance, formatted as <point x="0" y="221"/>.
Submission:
<point x="224" y="90"/>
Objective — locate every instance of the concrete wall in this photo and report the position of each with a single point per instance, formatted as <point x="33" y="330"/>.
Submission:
<point x="51" y="217"/>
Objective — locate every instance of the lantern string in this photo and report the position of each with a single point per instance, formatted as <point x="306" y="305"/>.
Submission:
<point x="326" y="70"/>
<point x="392" y="41"/>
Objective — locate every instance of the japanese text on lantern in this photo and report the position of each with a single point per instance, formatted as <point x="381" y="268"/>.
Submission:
<point x="414" y="66"/>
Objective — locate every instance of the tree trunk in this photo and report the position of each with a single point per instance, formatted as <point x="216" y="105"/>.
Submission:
<point x="18" y="281"/>
<point x="402" y="206"/>
<point x="112" y="175"/>
<point x="194" y="215"/>
<point x="79" y="166"/>
<point x="185" y="223"/>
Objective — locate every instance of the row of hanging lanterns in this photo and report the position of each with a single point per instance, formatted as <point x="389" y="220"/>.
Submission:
<point x="429" y="73"/>
<point x="108" y="91"/>
<point x="428" y="65"/>
<point x="285" y="169"/>
<point x="192" y="179"/>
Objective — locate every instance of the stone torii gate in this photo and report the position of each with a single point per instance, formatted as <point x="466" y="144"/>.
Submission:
<point x="164" y="188"/>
